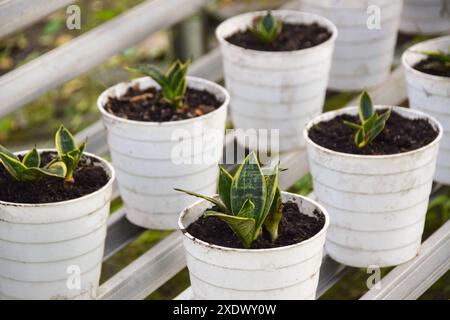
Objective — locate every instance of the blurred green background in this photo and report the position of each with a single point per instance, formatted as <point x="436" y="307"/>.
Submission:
<point x="74" y="104"/>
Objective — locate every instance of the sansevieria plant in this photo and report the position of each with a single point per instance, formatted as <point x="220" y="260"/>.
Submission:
<point x="173" y="83"/>
<point x="439" y="55"/>
<point x="267" y="28"/>
<point x="372" y="124"/>
<point x="248" y="201"/>
<point x="29" y="168"/>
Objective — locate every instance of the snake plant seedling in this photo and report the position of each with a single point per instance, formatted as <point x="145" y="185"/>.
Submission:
<point x="29" y="168"/>
<point x="68" y="151"/>
<point x="372" y="124"/>
<point x="247" y="201"/>
<point x="439" y="55"/>
<point x="173" y="83"/>
<point x="267" y="28"/>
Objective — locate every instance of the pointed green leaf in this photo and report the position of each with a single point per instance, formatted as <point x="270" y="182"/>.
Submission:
<point x="244" y="228"/>
<point x="214" y="201"/>
<point x="366" y="109"/>
<point x="64" y="141"/>
<point x="152" y="72"/>
<point x="224" y="186"/>
<point x="249" y="183"/>
<point x="272" y="186"/>
<point x="32" y="159"/>
<point x="8" y="153"/>
<point x="56" y="169"/>
<point x="352" y="125"/>
<point x="379" y="126"/>
<point x="247" y="209"/>
<point x="13" y="166"/>
<point x="268" y="22"/>
<point x="273" y="219"/>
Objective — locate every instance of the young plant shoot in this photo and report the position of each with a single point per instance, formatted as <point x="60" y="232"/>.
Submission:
<point x="267" y="28"/>
<point x="173" y="83"/>
<point x="372" y="124"/>
<point x="29" y="169"/>
<point x="439" y="55"/>
<point x="248" y="201"/>
<point x="68" y="151"/>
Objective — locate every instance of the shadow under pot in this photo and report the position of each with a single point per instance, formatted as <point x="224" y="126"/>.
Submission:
<point x="227" y="272"/>
<point x="428" y="83"/>
<point x="377" y="196"/>
<point x="276" y="89"/>
<point x="155" y="150"/>
<point x="51" y="239"/>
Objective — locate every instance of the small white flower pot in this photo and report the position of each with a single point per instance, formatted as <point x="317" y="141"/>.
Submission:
<point x="431" y="94"/>
<point x="151" y="158"/>
<point x="54" y="250"/>
<point x="377" y="204"/>
<point x="275" y="90"/>
<point x="220" y="273"/>
<point x="426" y="17"/>
<point x="363" y="56"/>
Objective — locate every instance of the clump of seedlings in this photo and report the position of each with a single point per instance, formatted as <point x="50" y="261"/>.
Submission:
<point x="173" y="83"/>
<point x="69" y="152"/>
<point x="371" y="123"/>
<point x="267" y="28"/>
<point x="436" y="63"/>
<point x="248" y="201"/>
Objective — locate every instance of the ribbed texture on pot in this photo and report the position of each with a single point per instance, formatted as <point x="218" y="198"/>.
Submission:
<point x="363" y="56"/>
<point x="426" y="17"/>
<point x="150" y="161"/>
<point x="377" y="204"/>
<point x="40" y="243"/>
<point x="431" y="94"/>
<point x="275" y="90"/>
<point x="220" y="273"/>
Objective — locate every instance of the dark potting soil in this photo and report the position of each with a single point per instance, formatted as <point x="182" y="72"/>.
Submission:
<point x="294" y="227"/>
<point x="292" y="37"/>
<point x="89" y="177"/>
<point x="149" y="105"/>
<point x="400" y="135"/>
<point x="433" y="66"/>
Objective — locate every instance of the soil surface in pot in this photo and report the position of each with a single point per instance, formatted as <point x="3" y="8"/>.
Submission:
<point x="292" y="37"/>
<point x="149" y="105"/>
<point x="294" y="227"/>
<point x="400" y="135"/>
<point x="89" y="177"/>
<point x="433" y="66"/>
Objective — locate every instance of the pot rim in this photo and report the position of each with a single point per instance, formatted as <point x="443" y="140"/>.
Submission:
<point x="351" y="109"/>
<point x="413" y="48"/>
<point x="107" y="167"/>
<point x="208" y="245"/>
<point x="190" y="79"/>
<point x="323" y="21"/>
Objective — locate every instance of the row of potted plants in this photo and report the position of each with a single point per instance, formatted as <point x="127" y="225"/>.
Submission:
<point x="372" y="170"/>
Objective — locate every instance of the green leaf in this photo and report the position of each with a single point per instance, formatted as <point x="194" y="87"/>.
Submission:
<point x="214" y="201"/>
<point x="57" y="169"/>
<point x="13" y="166"/>
<point x="379" y="125"/>
<point x="32" y="159"/>
<point x="64" y="141"/>
<point x="8" y="153"/>
<point x="224" y="187"/>
<point x="249" y="183"/>
<point x="152" y="72"/>
<point x="244" y="228"/>
<point x="352" y="125"/>
<point x="273" y="219"/>
<point x="366" y="109"/>
<point x="247" y="209"/>
<point x="272" y="187"/>
<point x="268" y="22"/>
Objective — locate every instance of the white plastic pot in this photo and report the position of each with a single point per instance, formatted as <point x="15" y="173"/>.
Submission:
<point x="151" y="158"/>
<point x="363" y="56"/>
<point x="220" y="273"/>
<point x="275" y="90"/>
<point x="377" y="204"/>
<point x="54" y="250"/>
<point x="426" y="17"/>
<point x="431" y="94"/>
